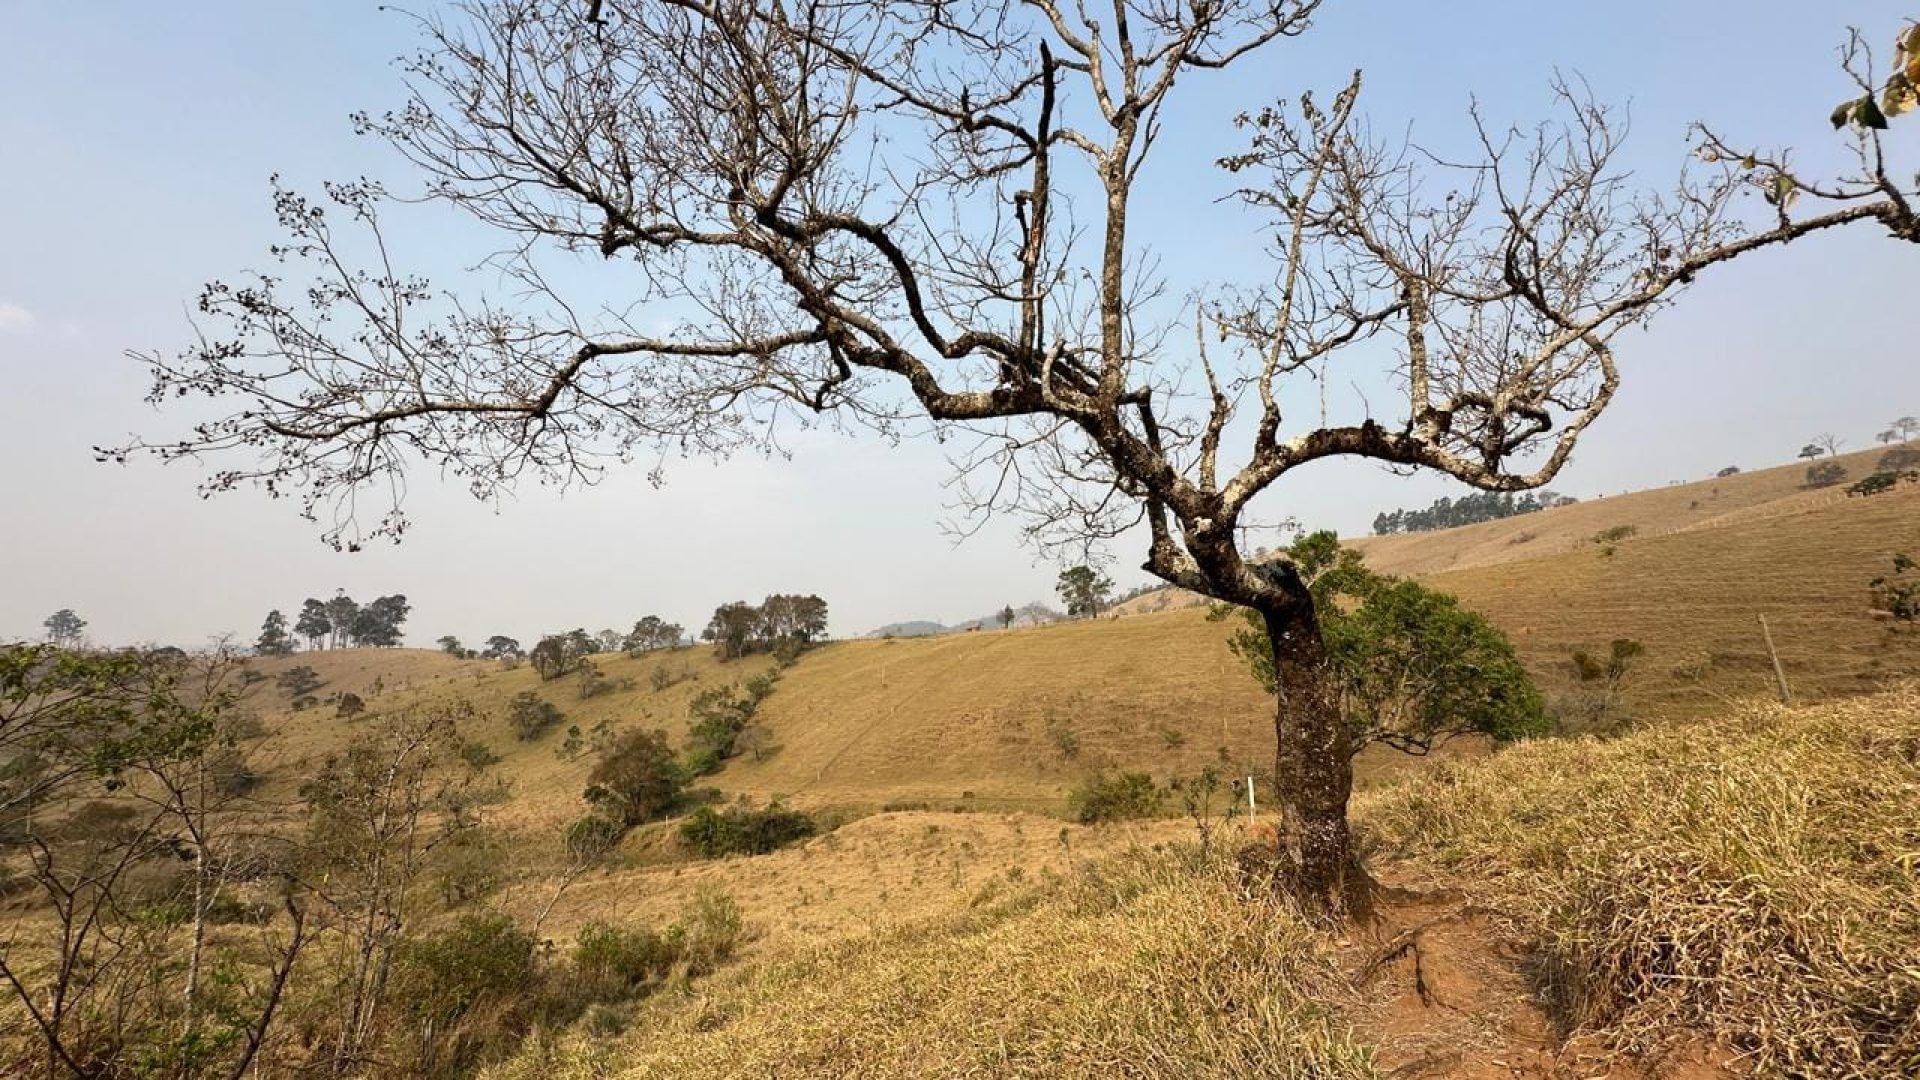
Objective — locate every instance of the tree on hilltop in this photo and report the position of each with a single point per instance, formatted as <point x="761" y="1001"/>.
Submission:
<point x="64" y="628"/>
<point x="1084" y="590"/>
<point x="314" y="624"/>
<point x="273" y="639"/>
<point x="863" y="210"/>
<point x="500" y="646"/>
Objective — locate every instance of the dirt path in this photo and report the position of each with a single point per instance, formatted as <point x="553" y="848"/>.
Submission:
<point x="1448" y="999"/>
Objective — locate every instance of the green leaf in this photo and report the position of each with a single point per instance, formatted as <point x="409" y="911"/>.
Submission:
<point x="1868" y="115"/>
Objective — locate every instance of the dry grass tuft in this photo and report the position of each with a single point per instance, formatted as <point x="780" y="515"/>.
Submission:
<point x="1136" y="967"/>
<point x="1756" y="877"/>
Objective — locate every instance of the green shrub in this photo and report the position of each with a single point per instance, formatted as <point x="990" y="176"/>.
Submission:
<point x="615" y="963"/>
<point x="532" y="716"/>
<point x="593" y="837"/>
<point x="478" y="755"/>
<point x="719" y="714"/>
<point x="1414" y="666"/>
<point x="441" y="976"/>
<point x="1615" y="534"/>
<point x="636" y="779"/>
<point x="1898" y="593"/>
<point x="1904" y="456"/>
<point x="743" y="830"/>
<point x="1883" y="481"/>
<point x="1114" y="798"/>
<point x="1825" y="474"/>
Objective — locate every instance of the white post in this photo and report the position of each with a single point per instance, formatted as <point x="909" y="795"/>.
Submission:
<point x="1251" y="809"/>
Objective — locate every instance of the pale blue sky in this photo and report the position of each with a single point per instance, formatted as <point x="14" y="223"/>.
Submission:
<point x="139" y="139"/>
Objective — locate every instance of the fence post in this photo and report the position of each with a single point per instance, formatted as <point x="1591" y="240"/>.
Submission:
<point x="1779" y="672"/>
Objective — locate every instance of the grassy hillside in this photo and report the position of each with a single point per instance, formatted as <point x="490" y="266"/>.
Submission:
<point x="1010" y="720"/>
<point x="1678" y="887"/>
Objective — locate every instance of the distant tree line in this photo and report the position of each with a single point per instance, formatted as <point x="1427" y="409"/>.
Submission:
<point x="1446" y="513"/>
<point x="337" y="623"/>
<point x="739" y="628"/>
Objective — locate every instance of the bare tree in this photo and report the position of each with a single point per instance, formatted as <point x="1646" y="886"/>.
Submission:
<point x="924" y="209"/>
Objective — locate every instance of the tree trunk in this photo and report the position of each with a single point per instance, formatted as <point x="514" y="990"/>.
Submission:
<point x="1313" y="761"/>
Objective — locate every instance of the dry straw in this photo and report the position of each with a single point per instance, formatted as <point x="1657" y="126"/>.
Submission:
<point x="1755" y="877"/>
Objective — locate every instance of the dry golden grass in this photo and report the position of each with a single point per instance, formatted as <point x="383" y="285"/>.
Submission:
<point x="1694" y="598"/>
<point x="873" y="873"/>
<point x="1141" y="966"/>
<point x="1702" y="504"/>
<point x="1756" y="877"/>
<point x="1706" y="560"/>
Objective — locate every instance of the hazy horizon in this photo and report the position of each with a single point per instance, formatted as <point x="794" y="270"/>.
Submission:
<point x="144" y="139"/>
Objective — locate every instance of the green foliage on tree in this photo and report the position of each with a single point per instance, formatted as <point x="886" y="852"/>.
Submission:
<point x="483" y="955"/>
<point x="1898" y="458"/>
<point x="718" y="714"/>
<point x="64" y="628"/>
<point x="743" y="830"/>
<point x="1119" y="797"/>
<point x="780" y="622"/>
<point x="380" y="622"/>
<point x="1882" y="482"/>
<point x="560" y="654"/>
<point x="451" y="645"/>
<point x="500" y="646"/>
<point x="1825" y="474"/>
<point x="1413" y="667"/>
<point x="1591" y="703"/>
<point x="298" y="681"/>
<point x="1448" y="513"/>
<point x="1898" y="593"/>
<point x="652" y="632"/>
<point x="637" y="779"/>
<point x="1084" y="590"/>
<point x="531" y="716"/>
<point x="273" y="639"/>
<point x="1006" y="617"/>
<point x="314" y="623"/>
<point x="1896" y="97"/>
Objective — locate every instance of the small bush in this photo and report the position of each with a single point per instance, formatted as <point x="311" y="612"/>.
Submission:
<point x="1614" y="534"/>
<point x="298" y="681"/>
<point x="592" y="837"/>
<point x="1880" y="482"/>
<point x="742" y="830"/>
<point x="532" y="716"/>
<point x="1066" y="741"/>
<point x="1825" y="474"/>
<point x="1114" y="798"/>
<point x="478" y="755"/>
<point x="1898" y="593"/>
<point x="349" y="706"/>
<point x="592" y="683"/>
<point x="615" y="963"/>
<point x="661" y="678"/>
<point x="441" y="976"/>
<point x="1904" y="456"/>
